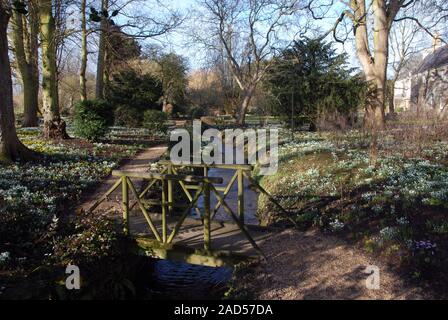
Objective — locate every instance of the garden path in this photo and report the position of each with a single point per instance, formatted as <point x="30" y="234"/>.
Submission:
<point x="140" y="163"/>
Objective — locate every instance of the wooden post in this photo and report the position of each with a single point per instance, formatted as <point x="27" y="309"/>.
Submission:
<point x="241" y="195"/>
<point x="170" y="190"/>
<point x="184" y="215"/>
<point x="225" y="193"/>
<point x="125" y="204"/>
<point x="187" y="193"/>
<point x="164" y="209"/>
<point x="207" y="238"/>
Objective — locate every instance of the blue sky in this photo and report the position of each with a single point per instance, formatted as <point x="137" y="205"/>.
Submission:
<point x="175" y="41"/>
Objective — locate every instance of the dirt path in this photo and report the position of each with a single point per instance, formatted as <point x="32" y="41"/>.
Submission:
<point x="309" y="265"/>
<point x="140" y="163"/>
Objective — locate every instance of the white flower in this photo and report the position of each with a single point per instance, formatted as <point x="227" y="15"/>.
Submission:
<point x="4" y="256"/>
<point x="336" y="225"/>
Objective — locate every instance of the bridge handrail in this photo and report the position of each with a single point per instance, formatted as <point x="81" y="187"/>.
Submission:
<point x="244" y="167"/>
<point x="172" y="177"/>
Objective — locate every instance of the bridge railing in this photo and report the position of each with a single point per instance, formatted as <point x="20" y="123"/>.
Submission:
<point x="205" y="187"/>
<point x="241" y="171"/>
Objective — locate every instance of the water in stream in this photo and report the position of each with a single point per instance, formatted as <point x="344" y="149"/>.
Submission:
<point x="176" y="280"/>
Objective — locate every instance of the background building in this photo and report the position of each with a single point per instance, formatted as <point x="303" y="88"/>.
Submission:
<point x="426" y="88"/>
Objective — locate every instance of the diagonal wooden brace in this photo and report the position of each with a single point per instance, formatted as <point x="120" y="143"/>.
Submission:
<point x="104" y="197"/>
<point x="144" y="211"/>
<point x="225" y="193"/>
<point x="237" y="220"/>
<point x="184" y="215"/>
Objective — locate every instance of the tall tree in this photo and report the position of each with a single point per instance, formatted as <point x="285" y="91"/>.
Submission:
<point x="11" y="148"/>
<point x="140" y="24"/>
<point x="170" y="69"/>
<point x="83" y="69"/>
<point x="372" y="21"/>
<point x="101" y="61"/>
<point x="54" y="126"/>
<point x="373" y="52"/>
<point x="25" y="38"/>
<point x="120" y="49"/>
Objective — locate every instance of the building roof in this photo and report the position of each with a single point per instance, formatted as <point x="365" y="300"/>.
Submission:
<point x="434" y="60"/>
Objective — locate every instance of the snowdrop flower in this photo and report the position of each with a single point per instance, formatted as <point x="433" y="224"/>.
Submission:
<point x="4" y="256"/>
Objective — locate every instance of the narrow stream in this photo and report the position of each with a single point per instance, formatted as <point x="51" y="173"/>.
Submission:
<point x="176" y="280"/>
<point x="171" y="280"/>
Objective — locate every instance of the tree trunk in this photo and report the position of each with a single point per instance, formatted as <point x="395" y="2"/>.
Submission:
<point x="82" y="73"/>
<point x="11" y="149"/>
<point x="164" y="104"/>
<point x="241" y="112"/>
<point x="100" y="67"/>
<point x="25" y="38"/>
<point x="374" y="67"/>
<point x="54" y="126"/>
<point x="391" y="95"/>
<point x="381" y="49"/>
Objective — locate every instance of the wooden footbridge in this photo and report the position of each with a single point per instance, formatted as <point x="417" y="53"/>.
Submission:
<point x="173" y="234"/>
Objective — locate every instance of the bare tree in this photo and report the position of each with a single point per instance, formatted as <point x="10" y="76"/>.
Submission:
<point x="84" y="52"/>
<point x="371" y="22"/>
<point x="247" y="31"/>
<point x="101" y="61"/>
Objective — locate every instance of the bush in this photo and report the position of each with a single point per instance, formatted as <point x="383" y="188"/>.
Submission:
<point x="24" y="229"/>
<point x="127" y="117"/>
<point x="94" y="244"/>
<point x="321" y="82"/>
<point x="131" y="90"/>
<point x="155" y="121"/>
<point x="92" y="118"/>
<point x="87" y="240"/>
